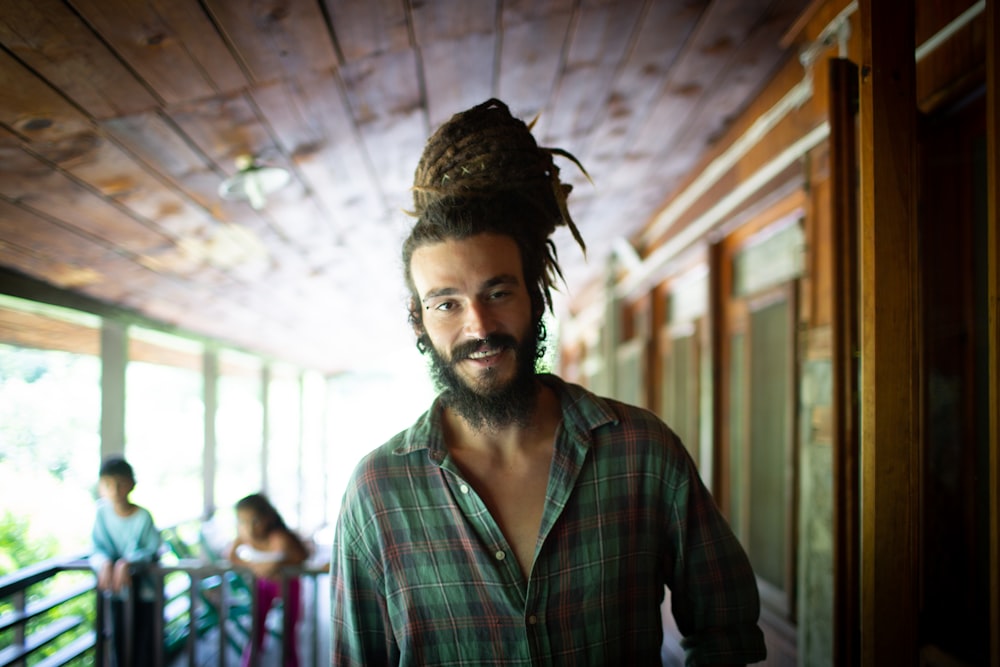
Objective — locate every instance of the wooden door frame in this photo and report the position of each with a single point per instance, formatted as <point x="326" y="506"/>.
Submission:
<point x="993" y="292"/>
<point x="890" y="374"/>
<point x="846" y="349"/>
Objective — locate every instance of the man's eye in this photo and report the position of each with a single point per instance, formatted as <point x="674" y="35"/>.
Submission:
<point x="445" y="306"/>
<point x="499" y="294"/>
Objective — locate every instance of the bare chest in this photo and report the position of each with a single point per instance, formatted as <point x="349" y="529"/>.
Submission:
<point x="515" y="497"/>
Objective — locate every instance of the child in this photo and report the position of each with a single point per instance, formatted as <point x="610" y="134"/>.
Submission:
<point x="264" y="544"/>
<point x="125" y="542"/>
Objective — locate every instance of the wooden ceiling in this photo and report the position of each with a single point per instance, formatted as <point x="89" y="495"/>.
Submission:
<point x="119" y="119"/>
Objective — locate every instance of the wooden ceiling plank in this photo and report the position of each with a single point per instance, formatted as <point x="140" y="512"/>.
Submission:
<point x="51" y="39"/>
<point x="25" y="179"/>
<point x="224" y="128"/>
<point x="371" y="28"/>
<point x="203" y="42"/>
<point x="118" y="176"/>
<point x="162" y="146"/>
<point x="53" y="270"/>
<point x="155" y="45"/>
<point x="457" y="41"/>
<point x="598" y="46"/>
<point x="21" y="227"/>
<point x="276" y="38"/>
<point x="57" y="131"/>
<point x="389" y="115"/>
<point x="37" y="112"/>
<point x="313" y="126"/>
<point x="715" y="43"/>
<point x="725" y="100"/>
<point x="531" y="44"/>
<point x="661" y="37"/>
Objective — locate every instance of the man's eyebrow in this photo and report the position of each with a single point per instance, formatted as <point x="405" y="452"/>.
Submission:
<point x="502" y="279"/>
<point x="440" y="291"/>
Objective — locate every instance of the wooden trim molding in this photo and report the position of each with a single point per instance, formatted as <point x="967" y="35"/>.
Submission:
<point x="993" y="291"/>
<point x="846" y="456"/>
<point x="890" y="388"/>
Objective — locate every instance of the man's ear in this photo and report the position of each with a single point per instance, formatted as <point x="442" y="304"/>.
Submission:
<point x="416" y="318"/>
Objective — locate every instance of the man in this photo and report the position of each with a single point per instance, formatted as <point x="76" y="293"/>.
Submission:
<point x="521" y="520"/>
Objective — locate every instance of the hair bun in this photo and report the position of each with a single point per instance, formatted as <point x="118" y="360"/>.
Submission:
<point x="486" y="151"/>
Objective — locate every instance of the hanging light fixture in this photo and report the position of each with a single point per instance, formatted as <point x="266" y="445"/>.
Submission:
<point x="253" y="182"/>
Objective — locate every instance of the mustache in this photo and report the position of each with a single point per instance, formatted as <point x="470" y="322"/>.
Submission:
<point x="497" y="341"/>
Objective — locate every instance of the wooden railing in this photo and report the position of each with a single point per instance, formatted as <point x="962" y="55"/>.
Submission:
<point x="202" y="609"/>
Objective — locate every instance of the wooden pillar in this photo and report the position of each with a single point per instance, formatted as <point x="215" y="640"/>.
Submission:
<point x="265" y="436"/>
<point x="846" y="458"/>
<point x="114" y="359"/>
<point x="721" y="473"/>
<point x="210" y="396"/>
<point x="993" y="290"/>
<point x="890" y="391"/>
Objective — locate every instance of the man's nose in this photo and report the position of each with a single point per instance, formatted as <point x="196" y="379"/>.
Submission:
<point x="478" y="320"/>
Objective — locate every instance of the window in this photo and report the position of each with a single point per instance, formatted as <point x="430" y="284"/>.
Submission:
<point x="49" y="456"/>
<point x="164" y="424"/>
<point x="686" y="368"/>
<point x="761" y="405"/>
<point x="239" y="429"/>
<point x="283" y="475"/>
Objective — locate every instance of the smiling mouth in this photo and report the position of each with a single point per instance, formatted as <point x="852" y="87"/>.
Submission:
<point x="480" y="355"/>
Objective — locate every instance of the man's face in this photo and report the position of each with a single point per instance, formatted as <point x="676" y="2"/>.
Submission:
<point x="476" y="312"/>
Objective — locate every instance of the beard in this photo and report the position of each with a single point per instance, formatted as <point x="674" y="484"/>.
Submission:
<point x="491" y="404"/>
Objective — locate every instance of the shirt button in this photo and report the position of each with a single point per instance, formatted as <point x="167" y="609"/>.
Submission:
<point x="463" y="488"/>
<point x="500" y="555"/>
<point x="532" y="620"/>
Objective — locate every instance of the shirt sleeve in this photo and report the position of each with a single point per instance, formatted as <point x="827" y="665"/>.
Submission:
<point x="714" y="595"/>
<point x="103" y="549"/>
<point x="147" y="544"/>
<point x="360" y="632"/>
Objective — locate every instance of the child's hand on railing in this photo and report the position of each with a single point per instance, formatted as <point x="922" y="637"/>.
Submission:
<point x="106" y="576"/>
<point x="122" y="577"/>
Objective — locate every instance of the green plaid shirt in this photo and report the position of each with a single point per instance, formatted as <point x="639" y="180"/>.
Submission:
<point x="422" y="575"/>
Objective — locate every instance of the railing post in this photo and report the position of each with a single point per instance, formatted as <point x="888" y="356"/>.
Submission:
<point x="20" y="599"/>
<point x="314" y="639"/>
<point x="255" y="624"/>
<point x="223" y="619"/>
<point x="128" y="608"/>
<point x="159" y="627"/>
<point x="100" y="629"/>
<point x="287" y="637"/>
<point x="192" y="639"/>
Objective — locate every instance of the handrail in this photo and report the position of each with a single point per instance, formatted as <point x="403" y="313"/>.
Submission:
<point x="33" y="574"/>
<point x="188" y="611"/>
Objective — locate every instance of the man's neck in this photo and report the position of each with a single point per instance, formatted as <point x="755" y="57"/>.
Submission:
<point x="509" y="440"/>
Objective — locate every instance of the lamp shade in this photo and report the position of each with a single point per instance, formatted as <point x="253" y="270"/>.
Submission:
<point x="253" y="182"/>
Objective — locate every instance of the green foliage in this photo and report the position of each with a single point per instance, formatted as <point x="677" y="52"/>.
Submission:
<point x="17" y="548"/>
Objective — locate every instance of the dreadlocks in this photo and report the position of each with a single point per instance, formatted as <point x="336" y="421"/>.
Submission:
<point x="482" y="171"/>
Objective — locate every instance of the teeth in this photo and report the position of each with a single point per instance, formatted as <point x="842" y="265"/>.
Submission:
<point x="482" y="354"/>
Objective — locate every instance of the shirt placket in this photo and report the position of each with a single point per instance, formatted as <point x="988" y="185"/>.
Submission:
<point x="568" y="459"/>
<point x="496" y="549"/>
